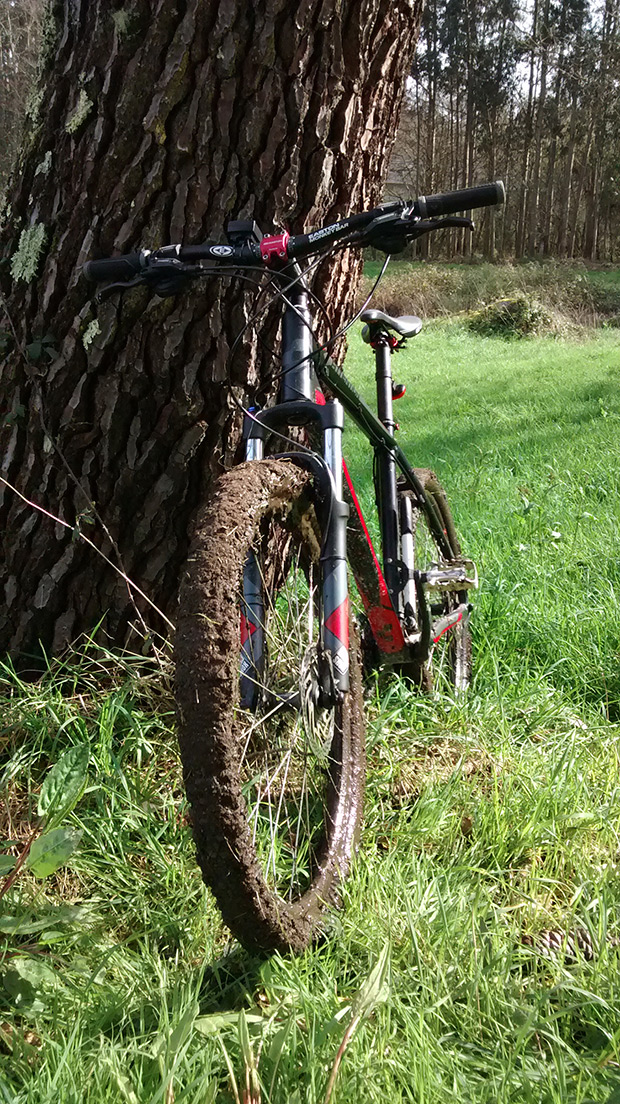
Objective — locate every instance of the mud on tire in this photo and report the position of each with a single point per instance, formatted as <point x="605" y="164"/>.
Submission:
<point x="276" y="797"/>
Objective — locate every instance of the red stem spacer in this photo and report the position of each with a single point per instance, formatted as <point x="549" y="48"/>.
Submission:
<point x="274" y="249"/>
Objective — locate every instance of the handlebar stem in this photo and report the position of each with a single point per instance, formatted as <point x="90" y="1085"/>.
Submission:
<point x="273" y="250"/>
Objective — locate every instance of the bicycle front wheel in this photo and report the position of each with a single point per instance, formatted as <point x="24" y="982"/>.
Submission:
<point x="273" y="757"/>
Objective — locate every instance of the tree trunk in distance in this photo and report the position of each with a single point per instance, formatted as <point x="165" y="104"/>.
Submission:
<point x="522" y="215"/>
<point x="567" y="180"/>
<point x="156" y="123"/>
<point x="538" y="137"/>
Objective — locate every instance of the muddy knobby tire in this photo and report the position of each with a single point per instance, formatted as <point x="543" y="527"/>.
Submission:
<point x="273" y="894"/>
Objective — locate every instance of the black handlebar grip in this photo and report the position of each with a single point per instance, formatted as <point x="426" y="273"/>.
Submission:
<point x="114" y="268"/>
<point x="484" y="195"/>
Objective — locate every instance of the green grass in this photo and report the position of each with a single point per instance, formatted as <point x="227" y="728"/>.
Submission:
<point x="487" y="819"/>
<point x="571" y="294"/>
<point x="524" y="435"/>
<point x="609" y="277"/>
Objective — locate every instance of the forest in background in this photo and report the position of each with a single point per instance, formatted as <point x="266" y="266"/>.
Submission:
<point x="20" y="31"/>
<point x="529" y="92"/>
<point x="526" y="92"/>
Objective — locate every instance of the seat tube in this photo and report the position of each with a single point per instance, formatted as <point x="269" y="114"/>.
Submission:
<point x="387" y="470"/>
<point x="335" y="613"/>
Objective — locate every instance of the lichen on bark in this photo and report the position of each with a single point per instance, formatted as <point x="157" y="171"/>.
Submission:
<point x="80" y="113"/>
<point x="25" y="260"/>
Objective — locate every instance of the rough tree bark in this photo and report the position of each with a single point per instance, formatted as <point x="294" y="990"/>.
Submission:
<point x="157" y="122"/>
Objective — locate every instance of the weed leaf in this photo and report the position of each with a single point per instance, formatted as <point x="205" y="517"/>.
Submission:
<point x="375" y="988"/>
<point x="51" y="850"/>
<point x="64" y="785"/>
<point x="7" y="862"/>
<point x="277" y="1043"/>
<point x="251" y="1072"/>
<point x="182" y="1031"/>
<point x="124" y="1086"/>
<point x="26" y="982"/>
<point x="169" y="1042"/>
<point x="213" y="1024"/>
<point x="25" y="925"/>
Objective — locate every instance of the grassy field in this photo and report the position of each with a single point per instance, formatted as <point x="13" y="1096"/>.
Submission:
<point x="489" y="822"/>
<point x="573" y="295"/>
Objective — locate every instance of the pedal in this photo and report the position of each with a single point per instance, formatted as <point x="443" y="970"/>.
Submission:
<point x="460" y="575"/>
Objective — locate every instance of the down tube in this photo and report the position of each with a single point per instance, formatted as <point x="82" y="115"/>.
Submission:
<point x="335" y="581"/>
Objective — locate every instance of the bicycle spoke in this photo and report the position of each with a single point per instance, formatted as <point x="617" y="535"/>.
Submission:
<point x="284" y="755"/>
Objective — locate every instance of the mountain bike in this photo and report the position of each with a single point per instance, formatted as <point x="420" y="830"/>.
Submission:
<point x="268" y="655"/>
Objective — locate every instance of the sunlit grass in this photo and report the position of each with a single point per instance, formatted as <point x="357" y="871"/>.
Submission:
<point x="525" y="438"/>
<point x="487" y="819"/>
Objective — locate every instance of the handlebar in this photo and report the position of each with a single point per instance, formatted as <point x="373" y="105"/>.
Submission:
<point x="388" y="227"/>
<point x="465" y="199"/>
<point x="115" y="268"/>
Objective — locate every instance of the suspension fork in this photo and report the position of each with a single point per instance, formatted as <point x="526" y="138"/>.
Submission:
<point x="297" y="408"/>
<point x="335" y="614"/>
<point x="252" y="613"/>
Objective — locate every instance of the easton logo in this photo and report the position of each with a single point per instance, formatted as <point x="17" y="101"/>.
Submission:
<point x="222" y="250"/>
<point x="318" y="234"/>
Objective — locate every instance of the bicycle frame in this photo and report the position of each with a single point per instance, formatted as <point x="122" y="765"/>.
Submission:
<point x="385" y="592"/>
<point x="393" y="596"/>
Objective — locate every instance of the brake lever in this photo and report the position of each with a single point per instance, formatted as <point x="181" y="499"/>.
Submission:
<point x="119" y="285"/>
<point x="167" y="278"/>
<point x="428" y="226"/>
<point x="456" y="220"/>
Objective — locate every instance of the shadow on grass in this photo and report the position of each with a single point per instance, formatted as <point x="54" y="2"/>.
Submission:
<point x="231" y="982"/>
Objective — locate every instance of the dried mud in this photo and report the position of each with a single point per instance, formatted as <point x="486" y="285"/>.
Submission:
<point x="207" y="651"/>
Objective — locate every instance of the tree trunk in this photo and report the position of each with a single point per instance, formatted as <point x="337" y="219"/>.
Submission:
<point x="578" y="191"/>
<point x="468" y="150"/>
<point x="556" y="116"/>
<point x="158" y="122"/>
<point x="533" y="209"/>
<point x="522" y="219"/>
<point x="431" y="131"/>
<point x="591" y="220"/>
<point x="567" y="181"/>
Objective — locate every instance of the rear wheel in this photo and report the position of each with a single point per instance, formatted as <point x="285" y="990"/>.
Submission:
<point x="273" y="756"/>
<point x="447" y="667"/>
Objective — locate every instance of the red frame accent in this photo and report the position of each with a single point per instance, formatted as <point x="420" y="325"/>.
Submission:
<point x="384" y="622"/>
<point x="338" y="623"/>
<point x="247" y="628"/>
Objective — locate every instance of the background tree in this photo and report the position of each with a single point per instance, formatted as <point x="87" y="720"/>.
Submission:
<point x="530" y="93"/>
<point x="20" y="22"/>
<point x="156" y="122"/>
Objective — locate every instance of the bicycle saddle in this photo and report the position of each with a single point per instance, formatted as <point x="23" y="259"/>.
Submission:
<point x="408" y="325"/>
